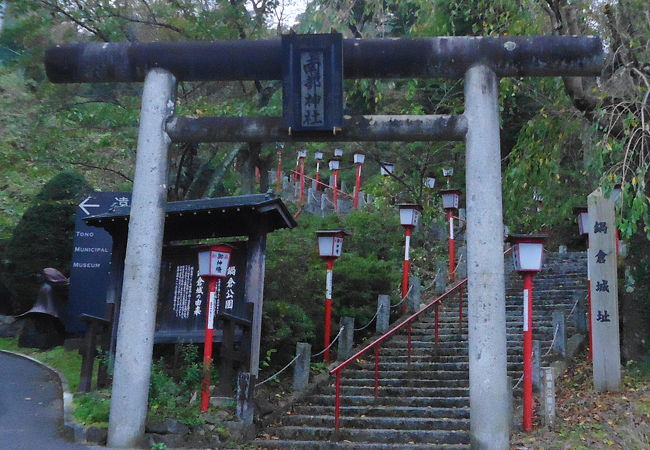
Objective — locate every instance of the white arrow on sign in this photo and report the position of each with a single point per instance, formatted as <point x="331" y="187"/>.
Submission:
<point x="83" y="205"/>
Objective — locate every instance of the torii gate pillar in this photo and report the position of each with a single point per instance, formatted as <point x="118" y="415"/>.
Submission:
<point x="488" y="390"/>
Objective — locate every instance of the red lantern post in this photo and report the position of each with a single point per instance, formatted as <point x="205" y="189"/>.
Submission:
<point x="359" y="159"/>
<point x="318" y="156"/>
<point x="302" y="154"/>
<point x="213" y="265"/>
<point x="334" y="165"/>
<point x="450" y="203"/>
<point x="528" y="255"/>
<point x="409" y="215"/>
<point x="278" y="170"/>
<point x="582" y="216"/>
<point x="330" y="246"/>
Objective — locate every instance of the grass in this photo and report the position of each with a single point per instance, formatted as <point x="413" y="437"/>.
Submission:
<point x="68" y="363"/>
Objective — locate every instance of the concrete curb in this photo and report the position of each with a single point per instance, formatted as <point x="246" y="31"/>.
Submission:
<point x="74" y="431"/>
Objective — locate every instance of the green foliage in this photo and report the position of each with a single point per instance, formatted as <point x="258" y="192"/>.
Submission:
<point x="170" y="398"/>
<point x="92" y="409"/>
<point x="43" y="237"/>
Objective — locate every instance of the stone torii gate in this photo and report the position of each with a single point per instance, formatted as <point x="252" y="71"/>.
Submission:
<point x="479" y="60"/>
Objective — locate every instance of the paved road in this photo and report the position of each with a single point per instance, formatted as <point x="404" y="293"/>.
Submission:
<point x="31" y="407"/>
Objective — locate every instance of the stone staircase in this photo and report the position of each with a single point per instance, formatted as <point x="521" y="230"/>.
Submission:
<point x="425" y="403"/>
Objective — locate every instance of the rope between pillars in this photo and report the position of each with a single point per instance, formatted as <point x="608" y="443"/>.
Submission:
<point x="520" y="378"/>
<point x="331" y="343"/>
<point x="574" y="306"/>
<point x="294" y="360"/>
<point x="278" y="372"/>
<point x="403" y="298"/>
<point x="371" y="321"/>
<point x="557" y="327"/>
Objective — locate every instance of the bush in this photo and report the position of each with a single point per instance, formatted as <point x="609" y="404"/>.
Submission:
<point x="43" y="237"/>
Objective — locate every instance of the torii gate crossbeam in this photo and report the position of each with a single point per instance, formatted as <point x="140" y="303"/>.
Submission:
<point x="480" y="60"/>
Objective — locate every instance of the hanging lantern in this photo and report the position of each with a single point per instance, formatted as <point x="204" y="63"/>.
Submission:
<point x="409" y="214"/>
<point x="582" y="216"/>
<point x="214" y="261"/>
<point x="387" y="168"/>
<point x="330" y="243"/>
<point x="450" y="198"/>
<point x="429" y="182"/>
<point x="527" y="251"/>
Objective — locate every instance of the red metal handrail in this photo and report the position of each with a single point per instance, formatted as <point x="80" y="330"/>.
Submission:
<point x="377" y="342"/>
<point x="295" y="172"/>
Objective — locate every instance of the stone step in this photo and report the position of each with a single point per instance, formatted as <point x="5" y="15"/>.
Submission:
<point x="391" y="436"/>
<point x="396" y="422"/>
<point x="400" y="382"/>
<point x="385" y="411"/>
<point x="417" y="367"/>
<point x="367" y="400"/>
<point x="328" y="445"/>
<point x="390" y="391"/>
<point x="407" y="374"/>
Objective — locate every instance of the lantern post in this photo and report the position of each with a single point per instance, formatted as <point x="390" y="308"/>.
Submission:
<point x="450" y="202"/>
<point x="359" y="159"/>
<point x="302" y="154"/>
<point x="278" y="171"/>
<point x="318" y="156"/>
<point x="334" y="165"/>
<point x="409" y="215"/>
<point x="528" y="256"/>
<point x="582" y="217"/>
<point x="330" y="246"/>
<point x="387" y="169"/>
<point x="213" y="265"/>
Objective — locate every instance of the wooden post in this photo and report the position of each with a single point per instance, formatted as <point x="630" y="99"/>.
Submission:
<point x="604" y="292"/>
<point x="255" y="292"/>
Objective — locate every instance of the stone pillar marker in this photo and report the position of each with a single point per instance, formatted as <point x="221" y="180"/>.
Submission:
<point x="604" y="292"/>
<point x="301" y="368"/>
<point x="559" y="331"/>
<point x="383" y="316"/>
<point x="537" y="363"/>
<point x="346" y="340"/>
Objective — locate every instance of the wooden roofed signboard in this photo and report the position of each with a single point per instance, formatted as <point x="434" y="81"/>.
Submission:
<point x="182" y="295"/>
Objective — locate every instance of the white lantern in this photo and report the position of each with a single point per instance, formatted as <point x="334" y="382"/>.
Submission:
<point x="409" y="214"/>
<point x="330" y="243"/>
<point x="582" y="215"/>
<point x="302" y="153"/>
<point x="318" y="156"/>
<point x="359" y="158"/>
<point x="527" y="251"/>
<point x="450" y="198"/>
<point x="334" y="164"/>
<point x="338" y="152"/>
<point x="448" y="172"/>
<point x="429" y="182"/>
<point x="214" y="261"/>
<point x="387" y="168"/>
<point x="616" y="192"/>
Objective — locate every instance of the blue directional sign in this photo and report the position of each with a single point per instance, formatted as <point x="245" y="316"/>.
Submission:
<point x="91" y="260"/>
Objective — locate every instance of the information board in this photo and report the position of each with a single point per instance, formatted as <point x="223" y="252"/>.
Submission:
<point x="91" y="260"/>
<point x="183" y="294"/>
